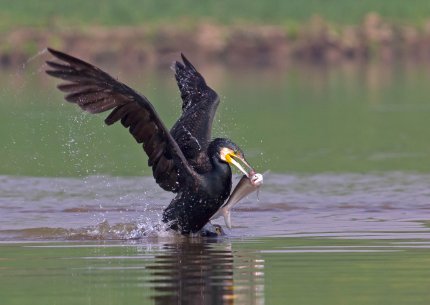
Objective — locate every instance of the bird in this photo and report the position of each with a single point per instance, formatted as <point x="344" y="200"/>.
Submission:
<point x="185" y="160"/>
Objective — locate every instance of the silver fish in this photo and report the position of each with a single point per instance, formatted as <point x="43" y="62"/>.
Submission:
<point x="246" y="186"/>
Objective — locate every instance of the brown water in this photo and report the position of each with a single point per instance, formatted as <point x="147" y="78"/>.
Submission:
<point x="343" y="216"/>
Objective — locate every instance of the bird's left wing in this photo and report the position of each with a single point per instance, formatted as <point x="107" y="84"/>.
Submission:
<point x="193" y="129"/>
<point x="96" y="91"/>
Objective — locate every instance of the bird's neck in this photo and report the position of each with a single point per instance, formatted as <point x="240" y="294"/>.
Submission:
<point x="220" y="168"/>
<point x="220" y="175"/>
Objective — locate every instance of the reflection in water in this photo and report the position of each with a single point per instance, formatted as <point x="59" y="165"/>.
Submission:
<point x="196" y="272"/>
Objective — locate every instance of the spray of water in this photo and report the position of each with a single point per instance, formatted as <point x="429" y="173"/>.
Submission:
<point x="34" y="57"/>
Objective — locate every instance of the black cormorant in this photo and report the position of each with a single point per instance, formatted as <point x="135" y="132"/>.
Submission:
<point x="184" y="160"/>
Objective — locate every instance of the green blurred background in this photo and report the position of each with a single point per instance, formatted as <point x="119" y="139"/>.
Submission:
<point x="135" y="12"/>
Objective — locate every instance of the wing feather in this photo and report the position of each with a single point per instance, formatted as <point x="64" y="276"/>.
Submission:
<point x="193" y="129"/>
<point x="96" y="91"/>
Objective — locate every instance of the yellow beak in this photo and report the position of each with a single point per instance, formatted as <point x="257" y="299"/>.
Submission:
<point x="232" y="157"/>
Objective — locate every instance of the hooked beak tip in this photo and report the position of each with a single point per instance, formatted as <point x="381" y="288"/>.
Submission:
<point x="240" y="167"/>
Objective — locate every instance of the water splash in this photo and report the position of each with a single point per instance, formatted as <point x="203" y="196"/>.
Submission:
<point x="34" y="57"/>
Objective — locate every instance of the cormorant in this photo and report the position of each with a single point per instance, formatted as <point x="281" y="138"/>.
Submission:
<point x="184" y="160"/>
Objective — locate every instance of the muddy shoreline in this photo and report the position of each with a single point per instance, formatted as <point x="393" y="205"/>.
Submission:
<point x="263" y="45"/>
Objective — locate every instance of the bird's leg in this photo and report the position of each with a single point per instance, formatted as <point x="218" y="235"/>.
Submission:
<point x="212" y="230"/>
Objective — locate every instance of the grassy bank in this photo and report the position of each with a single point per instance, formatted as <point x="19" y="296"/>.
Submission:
<point x="50" y="13"/>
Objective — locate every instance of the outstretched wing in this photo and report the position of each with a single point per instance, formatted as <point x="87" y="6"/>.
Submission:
<point x="96" y="91"/>
<point x="193" y="129"/>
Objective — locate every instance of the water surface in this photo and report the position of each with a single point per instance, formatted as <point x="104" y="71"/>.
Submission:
<point x="325" y="238"/>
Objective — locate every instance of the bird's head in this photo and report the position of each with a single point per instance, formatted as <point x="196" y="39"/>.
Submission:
<point x="230" y="153"/>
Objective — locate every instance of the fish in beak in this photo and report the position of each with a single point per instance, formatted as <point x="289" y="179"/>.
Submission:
<point x="249" y="183"/>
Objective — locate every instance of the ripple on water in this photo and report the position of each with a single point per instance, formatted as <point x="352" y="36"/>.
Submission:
<point x="390" y="205"/>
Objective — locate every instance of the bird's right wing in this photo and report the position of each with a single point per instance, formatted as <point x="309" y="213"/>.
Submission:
<point x="96" y="91"/>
